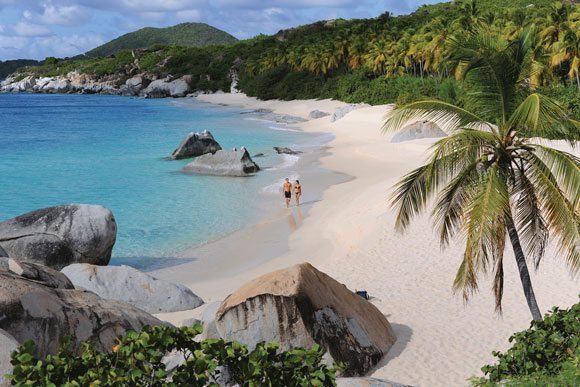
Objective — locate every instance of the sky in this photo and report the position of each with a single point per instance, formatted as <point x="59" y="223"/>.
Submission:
<point x="39" y="28"/>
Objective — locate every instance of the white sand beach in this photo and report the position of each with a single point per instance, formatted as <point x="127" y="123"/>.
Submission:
<point x="350" y="235"/>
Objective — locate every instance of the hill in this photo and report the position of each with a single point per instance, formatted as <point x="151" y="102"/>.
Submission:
<point x="185" y="34"/>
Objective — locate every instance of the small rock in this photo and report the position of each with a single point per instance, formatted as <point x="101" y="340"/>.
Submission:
<point x="286" y="151"/>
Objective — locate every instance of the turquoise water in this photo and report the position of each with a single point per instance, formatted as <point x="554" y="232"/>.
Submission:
<point x="57" y="149"/>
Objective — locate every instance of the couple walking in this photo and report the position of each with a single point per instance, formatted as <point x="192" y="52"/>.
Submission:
<point x="288" y="187"/>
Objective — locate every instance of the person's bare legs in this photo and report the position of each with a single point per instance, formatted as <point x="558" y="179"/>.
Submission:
<point x="287" y="202"/>
<point x="298" y="199"/>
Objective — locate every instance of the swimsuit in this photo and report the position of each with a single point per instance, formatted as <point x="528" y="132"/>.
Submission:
<point x="287" y="194"/>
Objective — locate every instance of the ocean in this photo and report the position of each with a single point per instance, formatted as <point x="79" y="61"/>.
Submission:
<point x="112" y="151"/>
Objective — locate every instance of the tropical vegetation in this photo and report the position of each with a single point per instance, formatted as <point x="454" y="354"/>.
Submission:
<point x="381" y="60"/>
<point x="142" y="358"/>
<point x="493" y="177"/>
<point x="546" y="354"/>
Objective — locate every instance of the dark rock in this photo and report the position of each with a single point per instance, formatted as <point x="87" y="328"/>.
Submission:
<point x="224" y="163"/>
<point x="287" y="151"/>
<point x="196" y="144"/>
<point x="59" y="236"/>
<point x="30" y="310"/>
<point x="301" y="306"/>
<point x="258" y="155"/>
<point x="35" y="272"/>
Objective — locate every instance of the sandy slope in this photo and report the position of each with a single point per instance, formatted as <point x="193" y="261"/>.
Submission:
<point x="350" y="235"/>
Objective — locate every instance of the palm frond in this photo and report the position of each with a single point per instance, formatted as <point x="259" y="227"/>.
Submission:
<point x="445" y="114"/>
<point x="562" y="219"/>
<point x="484" y="229"/>
<point x="540" y="116"/>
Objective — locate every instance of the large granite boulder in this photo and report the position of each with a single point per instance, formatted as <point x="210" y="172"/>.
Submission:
<point x="8" y="344"/>
<point x="224" y="163"/>
<point x="59" y="236"/>
<point x="125" y="283"/>
<point x="344" y="110"/>
<point x="31" y="310"/>
<point x="417" y="130"/>
<point x="167" y="88"/>
<point x="134" y="85"/>
<point x="196" y="144"/>
<point x="315" y="114"/>
<point x="58" y="85"/>
<point x="300" y="306"/>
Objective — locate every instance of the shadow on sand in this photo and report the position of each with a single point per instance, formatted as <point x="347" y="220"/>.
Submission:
<point x="403" y="334"/>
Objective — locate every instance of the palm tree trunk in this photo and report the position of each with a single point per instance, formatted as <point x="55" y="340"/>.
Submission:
<point x="524" y="273"/>
<point x="578" y="79"/>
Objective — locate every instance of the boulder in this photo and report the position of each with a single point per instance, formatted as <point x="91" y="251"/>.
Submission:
<point x="8" y="344"/>
<point x="59" y="236"/>
<point x="208" y="320"/>
<point x="224" y="163"/>
<point x="124" y="283"/>
<point x="58" y="85"/>
<point x="315" y="114"/>
<point x="343" y="111"/>
<point x="286" y="151"/>
<point x="165" y="88"/>
<point x="30" y="310"/>
<point x="300" y="306"/>
<point x="196" y="144"/>
<point x="417" y="130"/>
<point x="35" y="272"/>
<point x="134" y="85"/>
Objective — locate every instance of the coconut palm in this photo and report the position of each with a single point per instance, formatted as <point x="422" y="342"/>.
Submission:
<point x="491" y="180"/>
<point x="568" y="49"/>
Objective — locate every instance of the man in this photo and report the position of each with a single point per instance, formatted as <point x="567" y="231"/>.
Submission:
<point x="287" y="187"/>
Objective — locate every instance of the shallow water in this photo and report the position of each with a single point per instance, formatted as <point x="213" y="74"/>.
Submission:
<point x="57" y="149"/>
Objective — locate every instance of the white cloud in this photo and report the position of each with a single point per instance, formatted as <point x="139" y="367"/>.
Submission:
<point x="191" y="15"/>
<point x="63" y="15"/>
<point x="23" y="28"/>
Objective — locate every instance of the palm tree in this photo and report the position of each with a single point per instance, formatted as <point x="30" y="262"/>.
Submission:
<point x="568" y="49"/>
<point x="490" y="178"/>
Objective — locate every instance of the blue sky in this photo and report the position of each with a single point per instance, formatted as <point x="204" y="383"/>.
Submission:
<point x="40" y="28"/>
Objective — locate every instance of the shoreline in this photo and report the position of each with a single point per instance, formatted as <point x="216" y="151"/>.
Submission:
<point x="350" y="235"/>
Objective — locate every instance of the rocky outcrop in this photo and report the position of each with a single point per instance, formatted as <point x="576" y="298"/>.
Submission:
<point x="286" y="151"/>
<point x="315" y="114"/>
<point x="343" y="111"/>
<point x="59" y="236"/>
<point x="417" y="130"/>
<point x="300" y="306"/>
<point x="208" y="320"/>
<point x="134" y="85"/>
<point x="224" y="163"/>
<point x="196" y="144"/>
<point x="124" y="283"/>
<point x="167" y="88"/>
<point x="8" y="344"/>
<point x="32" y="310"/>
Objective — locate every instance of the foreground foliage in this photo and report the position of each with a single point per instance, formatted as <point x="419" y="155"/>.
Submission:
<point x="548" y="353"/>
<point x="137" y="360"/>
<point x="493" y="177"/>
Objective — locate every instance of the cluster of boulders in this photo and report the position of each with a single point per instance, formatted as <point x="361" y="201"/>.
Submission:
<point x="418" y="130"/>
<point x="146" y="85"/>
<point x="297" y="306"/>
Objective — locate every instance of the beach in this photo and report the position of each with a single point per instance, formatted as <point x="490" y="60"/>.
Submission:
<point x="349" y="234"/>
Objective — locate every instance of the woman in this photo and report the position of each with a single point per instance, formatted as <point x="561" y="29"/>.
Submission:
<point x="297" y="192"/>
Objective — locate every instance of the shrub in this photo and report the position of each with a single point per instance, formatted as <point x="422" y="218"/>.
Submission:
<point x="547" y="350"/>
<point x="137" y="360"/>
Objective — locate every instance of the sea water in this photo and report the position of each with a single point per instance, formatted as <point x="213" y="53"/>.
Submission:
<point x="112" y="151"/>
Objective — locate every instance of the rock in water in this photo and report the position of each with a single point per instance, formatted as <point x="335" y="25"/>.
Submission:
<point x="196" y="144"/>
<point x="29" y="310"/>
<point x="417" y="130"/>
<point x="224" y="163"/>
<point x="124" y="283"/>
<point x="285" y="151"/>
<point x="8" y="344"/>
<point x="59" y="236"/>
<point x="300" y="306"/>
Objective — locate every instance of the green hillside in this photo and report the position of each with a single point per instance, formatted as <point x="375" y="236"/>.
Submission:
<point x="10" y="66"/>
<point x="185" y="34"/>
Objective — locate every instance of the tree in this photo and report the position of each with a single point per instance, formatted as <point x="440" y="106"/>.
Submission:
<point x="490" y="178"/>
<point x="568" y="49"/>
